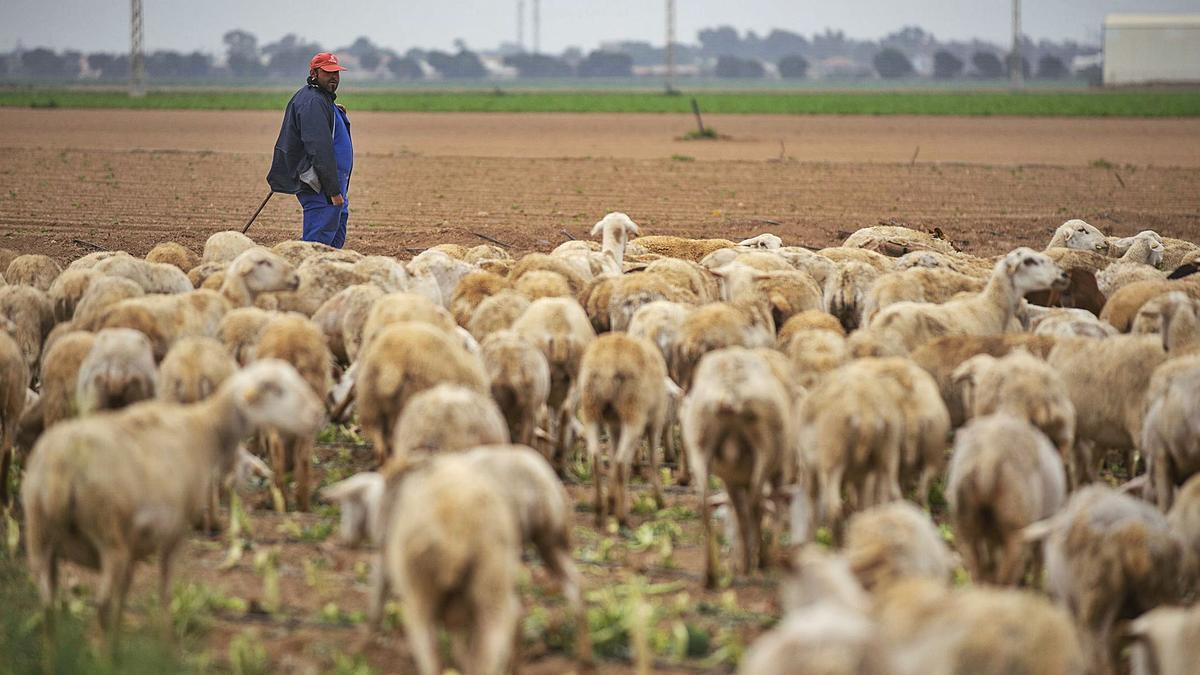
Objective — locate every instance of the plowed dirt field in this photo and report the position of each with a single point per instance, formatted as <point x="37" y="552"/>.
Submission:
<point x="129" y="179"/>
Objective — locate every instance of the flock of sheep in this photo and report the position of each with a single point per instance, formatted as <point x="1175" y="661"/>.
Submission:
<point x="820" y="387"/>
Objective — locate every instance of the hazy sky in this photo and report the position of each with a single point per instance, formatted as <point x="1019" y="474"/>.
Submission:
<point x="103" y="25"/>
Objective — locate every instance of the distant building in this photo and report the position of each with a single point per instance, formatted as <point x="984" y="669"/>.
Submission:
<point x="1145" y="48"/>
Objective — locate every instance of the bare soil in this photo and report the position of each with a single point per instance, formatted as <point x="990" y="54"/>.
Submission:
<point x="75" y="181"/>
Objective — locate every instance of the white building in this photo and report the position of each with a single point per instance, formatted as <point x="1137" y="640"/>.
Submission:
<point x="1143" y="48"/>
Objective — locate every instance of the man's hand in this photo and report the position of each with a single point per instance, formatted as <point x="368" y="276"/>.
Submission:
<point x="337" y="200"/>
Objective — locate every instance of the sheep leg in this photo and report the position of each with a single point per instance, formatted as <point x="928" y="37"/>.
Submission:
<point x="1161" y="479"/>
<point x="889" y="482"/>
<point x="378" y="595"/>
<point x="302" y="449"/>
<point x="655" y="478"/>
<point x="116" y="571"/>
<point x="829" y="484"/>
<point x="560" y="439"/>
<point x="493" y="639"/>
<point x="5" y="462"/>
<point x="278" y="453"/>
<point x="710" y="537"/>
<point x="165" y="561"/>
<point x="555" y="553"/>
<point x="626" y="448"/>
<point x="420" y="624"/>
<point x="1011" y="564"/>
<point x="682" y="475"/>
<point x="591" y="433"/>
<point x="924" y="483"/>
<point x="747" y="530"/>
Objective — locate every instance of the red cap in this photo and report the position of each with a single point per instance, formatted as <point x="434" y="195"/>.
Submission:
<point x="325" y="61"/>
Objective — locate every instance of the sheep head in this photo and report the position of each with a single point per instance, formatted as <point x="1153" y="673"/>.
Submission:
<point x="264" y="272"/>
<point x="1030" y="271"/>
<point x="270" y="393"/>
<point x="1082" y="236"/>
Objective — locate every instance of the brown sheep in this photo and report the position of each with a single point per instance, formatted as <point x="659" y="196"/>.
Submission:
<point x="298" y="342"/>
<point x="496" y="313"/>
<point x="193" y="370"/>
<point x="941" y="357"/>
<point x="173" y="253"/>
<point x="520" y="381"/>
<point x="471" y="291"/>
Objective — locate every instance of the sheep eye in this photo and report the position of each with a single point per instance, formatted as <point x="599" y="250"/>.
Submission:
<point x="1030" y="261"/>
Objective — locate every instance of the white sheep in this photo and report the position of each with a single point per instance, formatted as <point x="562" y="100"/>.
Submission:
<point x="845" y="291"/>
<point x="152" y="277"/>
<point x="223" y="247"/>
<point x="403" y="360"/>
<point x="737" y="423"/>
<point x="1004" y="476"/>
<point x="990" y="312"/>
<point x="106" y="491"/>
<point x="1109" y="558"/>
<point x="892" y="542"/>
<point x="32" y="269"/>
<point x="1171" y="429"/>
<point x="851" y="431"/>
<point x="1166" y="641"/>
<point x="193" y="370"/>
<point x="1026" y="387"/>
<point x="620" y="386"/>
<point x="615" y="229"/>
<point x="448" y="418"/>
<point x="14" y="380"/>
<point x="519" y="379"/>
<point x="119" y="370"/>
<point x="560" y="329"/>
<point x="1078" y="235"/>
<point x="451" y="551"/>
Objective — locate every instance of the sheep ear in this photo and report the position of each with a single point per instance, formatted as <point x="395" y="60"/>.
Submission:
<point x="597" y="228"/>
<point x="634" y="228"/>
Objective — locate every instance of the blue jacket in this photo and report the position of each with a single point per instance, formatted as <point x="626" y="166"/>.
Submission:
<point x="305" y="144"/>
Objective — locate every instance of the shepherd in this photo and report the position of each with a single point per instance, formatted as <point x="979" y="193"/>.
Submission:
<point x="313" y="156"/>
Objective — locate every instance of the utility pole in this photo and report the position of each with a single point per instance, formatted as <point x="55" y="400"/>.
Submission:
<point x="670" y="45"/>
<point x="1016" y="75"/>
<point x="137" y="59"/>
<point x="537" y="26"/>
<point x="521" y="25"/>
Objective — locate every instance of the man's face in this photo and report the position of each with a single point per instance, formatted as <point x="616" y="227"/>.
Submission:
<point x="328" y="81"/>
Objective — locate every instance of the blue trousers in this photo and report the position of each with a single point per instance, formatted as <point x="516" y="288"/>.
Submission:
<point x="324" y="222"/>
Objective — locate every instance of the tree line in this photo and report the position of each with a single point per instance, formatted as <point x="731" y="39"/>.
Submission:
<point x="721" y="52"/>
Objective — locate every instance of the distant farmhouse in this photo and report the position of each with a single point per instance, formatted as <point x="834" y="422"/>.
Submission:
<point x="1151" y="48"/>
